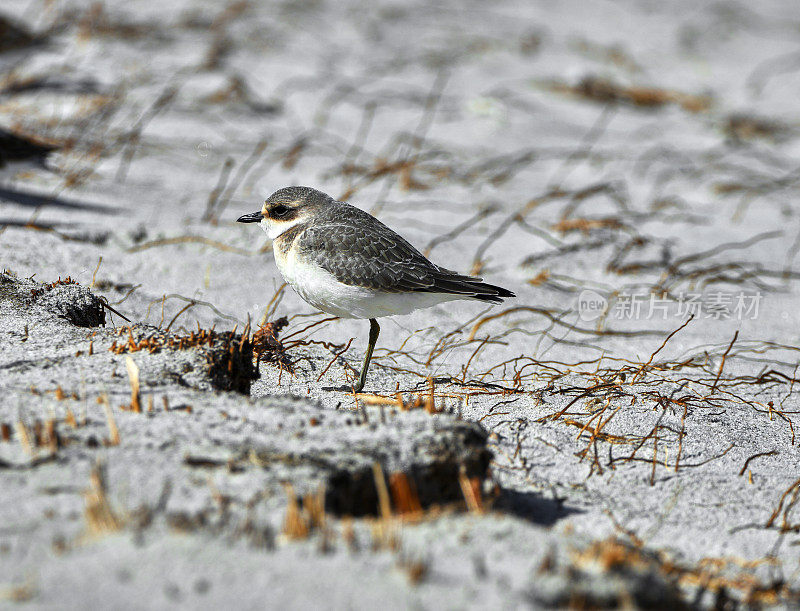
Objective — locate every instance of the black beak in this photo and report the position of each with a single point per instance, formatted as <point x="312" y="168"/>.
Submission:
<point x="253" y="217"/>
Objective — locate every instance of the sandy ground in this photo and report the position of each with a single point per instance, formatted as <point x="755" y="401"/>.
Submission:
<point x="619" y="166"/>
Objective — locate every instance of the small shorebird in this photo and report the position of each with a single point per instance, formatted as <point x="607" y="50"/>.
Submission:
<point x="344" y="261"/>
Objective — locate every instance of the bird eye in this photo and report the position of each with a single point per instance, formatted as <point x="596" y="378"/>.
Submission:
<point x="280" y="211"/>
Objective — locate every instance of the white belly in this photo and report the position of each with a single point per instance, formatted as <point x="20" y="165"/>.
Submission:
<point x="322" y="290"/>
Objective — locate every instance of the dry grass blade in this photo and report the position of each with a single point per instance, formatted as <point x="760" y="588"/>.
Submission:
<point x="404" y="495"/>
<point x="272" y="306"/>
<point x="722" y="364"/>
<point x="51" y="438"/>
<point x="190" y="239"/>
<point x="295" y="523"/>
<point x="133" y="377"/>
<point x="113" y="431"/>
<point x="94" y="275"/>
<point x="556" y="319"/>
<point x="471" y="489"/>
<point x="301" y="520"/>
<point x="792" y="492"/>
<point x="602" y="90"/>
<point x="759" y="455"/>
<point x="664" y="343"/>
<point x="384" y="503"/>
<point x="181" y="311"/>
<point x="314" y="507"/>
<point x="334" y="359"/>
<point x="100" y="517"/>
<point x="25" y="438"/>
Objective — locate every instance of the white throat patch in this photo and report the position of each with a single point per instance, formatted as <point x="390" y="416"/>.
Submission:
<point x="274" y="229"/>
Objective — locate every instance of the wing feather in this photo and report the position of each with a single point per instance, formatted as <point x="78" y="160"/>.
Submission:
<point x="358" y="249"/>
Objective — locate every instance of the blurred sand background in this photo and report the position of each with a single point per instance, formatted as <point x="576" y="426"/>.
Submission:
<point x="645" y="152"/>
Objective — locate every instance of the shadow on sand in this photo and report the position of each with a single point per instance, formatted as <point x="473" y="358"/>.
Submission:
<point x="32" y="200"/>
<point x="532" y="507"/>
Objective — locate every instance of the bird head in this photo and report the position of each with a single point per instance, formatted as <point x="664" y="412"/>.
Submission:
<point x="286" y="208"/>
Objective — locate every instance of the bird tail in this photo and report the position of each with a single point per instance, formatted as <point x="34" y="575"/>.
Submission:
<point x="497" y="294"/>
<point x="470" y="287"/>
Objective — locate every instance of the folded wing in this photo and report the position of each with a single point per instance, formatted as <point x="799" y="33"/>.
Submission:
<point x="360" y="250"/>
